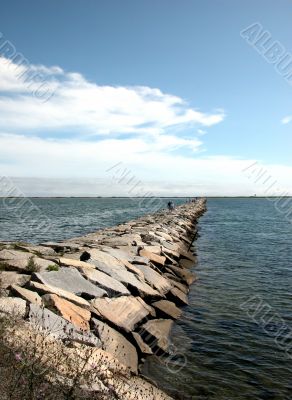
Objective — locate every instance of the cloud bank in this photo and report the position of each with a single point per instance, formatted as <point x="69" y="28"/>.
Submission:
<point x="69" y="141"/>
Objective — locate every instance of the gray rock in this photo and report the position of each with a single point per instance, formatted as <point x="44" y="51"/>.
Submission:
<point x="64" y="294"/>
<point x="125" y="312"/>
<point x="129" y="279"/>
<point x="183" y="274"/>
<point x="156" y="334"/>
<point x="44" y="251"/>
<point x="8" y="278"/>
<point x="15" y="260"/>
<point x="13" y="306"/>
<point x="178" y="297"/>
<point x="71" y="280"/>
<point x="112" y="286"/>
<point x="27" y="295"/>
<point x="155" y="279"/>
<point x="18" y="260"/>
<point x="61" y="246"/>
<point x="182" y="287"/>
<point x="116" y="344"/>
<point x="140" y="260"/>
<point x="184" y="263"/>
<point x="168" y="309"/>
<point x="58" y="327"/>
<point x="142" y="346"/>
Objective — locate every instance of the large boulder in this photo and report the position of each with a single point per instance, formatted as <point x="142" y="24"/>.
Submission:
<point x="8" y="278"/>
<point x="116" y="344"/>
<point x="183" y="274"/>
<point x="71" y="280"/>
<point x="185" y="263"/>
<point x="155" y="258"/>
<point x="78" y="316"/>
<point x="124" y="240"/>
<point x="16" y="260"/>
<point x="37" y="250"/>
<point x="178" y="297"/>
<point x="164" y="235"/>
<point x="13" y="306"/>
<point x="125" y="312"/>
<point x="143" y="347"/>
<point x="156" y="334"/>
<point x="112" y="286"/>
<point x="156" y="280"/>
<point x="47" y="289"/>
<point x="167" y="309"/>
<point x="27" y="295"/>
<point x="129" y="279"/>
<point x="59" y="328"/>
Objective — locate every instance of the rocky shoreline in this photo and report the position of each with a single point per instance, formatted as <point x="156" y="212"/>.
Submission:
<point x="119" y="289"/>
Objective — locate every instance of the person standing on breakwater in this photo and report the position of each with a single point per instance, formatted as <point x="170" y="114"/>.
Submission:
<point x="170" y="206"/>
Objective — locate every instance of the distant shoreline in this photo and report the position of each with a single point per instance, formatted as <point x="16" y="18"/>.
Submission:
<point x="143" y="197"/>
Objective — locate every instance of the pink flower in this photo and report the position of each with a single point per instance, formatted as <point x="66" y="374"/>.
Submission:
<point x="18" y="356"/>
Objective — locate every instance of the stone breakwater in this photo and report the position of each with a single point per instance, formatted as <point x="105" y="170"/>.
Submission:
<point x="119" y="289"/>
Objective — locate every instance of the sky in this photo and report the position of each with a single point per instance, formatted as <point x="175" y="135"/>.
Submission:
<point x="134" y="98"/>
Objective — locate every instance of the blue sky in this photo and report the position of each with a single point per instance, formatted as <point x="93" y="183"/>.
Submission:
<point x="191" y="51"/>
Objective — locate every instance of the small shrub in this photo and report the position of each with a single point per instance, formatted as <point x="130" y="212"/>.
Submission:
<point x="53" y="268"/>
<point x="32" y="266"/>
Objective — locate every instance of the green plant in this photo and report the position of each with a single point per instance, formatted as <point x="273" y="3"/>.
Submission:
<point x="53" y="268"/>
<point x="32" y="266"/>
<point x="34" y="367"/>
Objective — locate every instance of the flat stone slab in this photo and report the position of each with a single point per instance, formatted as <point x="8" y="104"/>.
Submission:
<point x="99" y="257"/>
<point x="185" y="263"/>
<point x="47" y="289"/>
<point x="58" y="327"/>
<point x="155" y="279"/>
<point x="78" y="316"/>
<point x="116" y="344"/>
<point x="171" y="246"/>
<point x="187" y="254"/>
<point x="18" y="260"/>
<point x="129" y="279"/>
<point x="15" y="260"/>
<point x="178" y="297"/>
<point x="124" y="240"/>
<point x="142" y="346"/>
<point x="181" y="286"/>
<point x="156" y="334"/>
<point x="183" y="274"/>
<point x="164" y="235"/>
<point x="13" y="306"/>
<point x="155" y="258"/>
<point x="71" y="280"/>
<point x="8" y="278"/>
<point x="71" y="262"/>
<point x="155" y="249"/>
<point x="112" y="286"/>
<point x="167" y="308"/>
<point x="44" y="251"/>
<point x="125" y="312"/>
<point x="64" y="246"/>
<point x="140" y="260"/>
<point x="25" y="294"/>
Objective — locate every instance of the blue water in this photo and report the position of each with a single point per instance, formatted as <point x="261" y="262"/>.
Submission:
<point x="244" y="252"/>
<point x="54" y="219"/>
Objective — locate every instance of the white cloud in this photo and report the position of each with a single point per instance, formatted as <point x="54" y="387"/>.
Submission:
<point x="93" y="164"/>
<point x="286" y="120"/>
<point x="88" y="108"/>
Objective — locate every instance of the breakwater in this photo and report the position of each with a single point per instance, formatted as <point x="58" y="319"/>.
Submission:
<point x="119" y="289"/>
